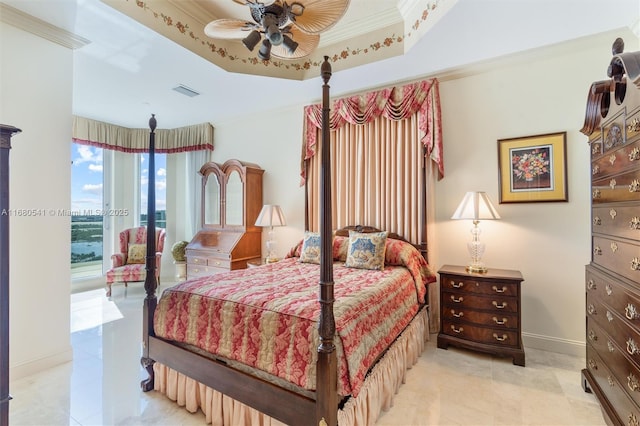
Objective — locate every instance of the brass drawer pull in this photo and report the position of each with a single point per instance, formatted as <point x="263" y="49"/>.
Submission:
<point x="634" y="186"/>
<point x="591" y="309"/>
<point x="591" y="285"/>
<point x="459" y="315"/>
<point x="500" y="338"/>
<point x="635" y="264"/>
<point x="196" y="260"/>
<point x="632" y="382"/>
<point x="597" y="221"/>
<point x="593" y="365"/>
<point x="597" y="251"/>
<point x="612" y="382"/>
<point x="632" y="347"/>
<point x="457" y="330"/>
<point x="503" y="321"/>
<point x="216" y="263"/>
<point x="593" y="336"/>
<point x="608" y="289"/>
<point x="499" y="290"/>
<point x="633" y="420"/>
<point x="634" y="154"/>
<point x="631" y="312"/>
<point x="458" y="300"/>
<point x="610" y="346"/>
<point x="502" y="305"/>
<point x="613" y="213"/>
<point x="457" y="285"/>
<point x="634" y="223"/>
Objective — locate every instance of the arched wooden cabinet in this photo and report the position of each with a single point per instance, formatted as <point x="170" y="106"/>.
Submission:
<point x="231" y="203"/>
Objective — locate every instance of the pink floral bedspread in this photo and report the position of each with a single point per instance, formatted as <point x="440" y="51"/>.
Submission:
<point x="266" y="317"/>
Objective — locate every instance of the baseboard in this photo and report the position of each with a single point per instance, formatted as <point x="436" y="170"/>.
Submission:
<point x="36" y="366"/>
<point x="553" y="344"/>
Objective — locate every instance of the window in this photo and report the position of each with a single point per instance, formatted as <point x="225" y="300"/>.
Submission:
<point x="161" y="188"/>
<point x="86" y="206"/>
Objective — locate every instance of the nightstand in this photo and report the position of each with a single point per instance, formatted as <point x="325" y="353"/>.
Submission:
<point x="481" y="311"/>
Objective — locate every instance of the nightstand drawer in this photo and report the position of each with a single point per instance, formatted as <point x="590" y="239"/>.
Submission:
<point x="486" y="303"/>
<point x="449" y="282"/>
<point x="489" y="319"/>
<point x="481" y="334"/>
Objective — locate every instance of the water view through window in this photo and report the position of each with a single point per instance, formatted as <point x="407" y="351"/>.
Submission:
<point x="86" y="207"/>
<point x="161" y="189"/>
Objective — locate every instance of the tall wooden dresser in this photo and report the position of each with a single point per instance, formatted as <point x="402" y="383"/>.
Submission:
<point x="612" y="123"/>
<point x="231" y="203"/>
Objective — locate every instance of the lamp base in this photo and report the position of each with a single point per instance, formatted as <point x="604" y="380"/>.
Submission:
<point x="477" y="269"/>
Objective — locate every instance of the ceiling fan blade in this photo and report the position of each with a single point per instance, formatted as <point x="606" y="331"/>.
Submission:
<point x="307" y="43"/>
<point x="316" y="16"/>
<point x="254" y="2"/>
<point x="228" y="28"/>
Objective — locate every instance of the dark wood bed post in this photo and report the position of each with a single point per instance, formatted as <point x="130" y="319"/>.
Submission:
<point x="6" y="132"/>
<point x="150" y="282"/>
<point x="326" y="371"/>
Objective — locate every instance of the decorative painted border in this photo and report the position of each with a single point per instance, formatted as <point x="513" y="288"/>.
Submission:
<point x="346" y="53"/>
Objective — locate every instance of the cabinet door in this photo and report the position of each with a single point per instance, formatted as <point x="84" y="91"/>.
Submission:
<point x="212" y="200"/>
<point x="234" y="212"/>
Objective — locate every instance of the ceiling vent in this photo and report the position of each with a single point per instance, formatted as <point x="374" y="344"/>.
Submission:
<point x="181" y="88"/>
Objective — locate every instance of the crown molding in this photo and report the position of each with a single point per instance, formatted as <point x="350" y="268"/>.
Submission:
<point x="33" y="25"/>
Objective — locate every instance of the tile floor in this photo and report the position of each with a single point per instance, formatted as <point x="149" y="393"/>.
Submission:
<point x="446" y="387"/>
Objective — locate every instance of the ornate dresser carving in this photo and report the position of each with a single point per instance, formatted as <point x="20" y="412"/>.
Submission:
<point x="612" y="123"/>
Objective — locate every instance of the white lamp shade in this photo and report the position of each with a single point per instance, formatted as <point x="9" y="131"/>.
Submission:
<point x="271" y="215"/>
<point x="476" y="206"/>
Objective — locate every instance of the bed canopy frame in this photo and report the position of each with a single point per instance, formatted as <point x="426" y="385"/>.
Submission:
<point x="282" y="404"/>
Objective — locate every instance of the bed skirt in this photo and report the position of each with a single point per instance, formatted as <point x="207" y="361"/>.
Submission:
<point x="376" y="394"/>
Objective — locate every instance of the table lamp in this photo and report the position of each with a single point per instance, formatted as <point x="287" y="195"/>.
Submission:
<point x="271" y="215"/>
<point x="476" y="206"/>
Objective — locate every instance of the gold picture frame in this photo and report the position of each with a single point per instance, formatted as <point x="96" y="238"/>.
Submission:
<point x="533" y="168"/>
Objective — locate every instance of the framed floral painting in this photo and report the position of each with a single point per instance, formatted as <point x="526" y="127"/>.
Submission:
<point x="533" y="168"/>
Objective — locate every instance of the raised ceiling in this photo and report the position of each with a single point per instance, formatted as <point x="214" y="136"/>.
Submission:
<point x="369" y="31"/>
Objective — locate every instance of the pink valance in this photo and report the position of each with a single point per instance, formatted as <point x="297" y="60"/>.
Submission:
<point x="394" y="103"/>
<point x="168" y="141"/>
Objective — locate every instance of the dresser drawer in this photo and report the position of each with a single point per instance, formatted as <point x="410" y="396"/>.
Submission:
<point x="501" y="337"/>
<point x="618" y="221"/>
<point x="620" y="187"/>
<point x="614" y="391"/>
<point x="615" y="295"/>
<point x="480" y="302"/>
<point x="623" y="369"/>
<point x="616" y="161"/>
<point x="618" y="330"/>
<point x="490" y="319"/>
<point x="617" y="255"/>
<point x="463" y="284"/>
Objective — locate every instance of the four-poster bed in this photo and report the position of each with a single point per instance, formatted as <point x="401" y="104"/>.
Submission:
<point x="306" y="386"/>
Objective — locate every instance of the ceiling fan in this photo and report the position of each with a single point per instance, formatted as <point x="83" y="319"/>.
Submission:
<point x="291" y="30"/>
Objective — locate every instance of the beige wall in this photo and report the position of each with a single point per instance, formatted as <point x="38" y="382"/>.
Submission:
<point x="538" y="92"/>
<point x="36" y="95"/>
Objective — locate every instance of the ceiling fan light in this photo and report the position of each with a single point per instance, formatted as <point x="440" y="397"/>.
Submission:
<point x="251" y="40"/>
<point x="274" y="35"/>
<point x="289" y="43"/>
<point x="265" y="50"/>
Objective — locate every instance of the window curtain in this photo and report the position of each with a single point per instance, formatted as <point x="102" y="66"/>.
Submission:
<point x="386" y="153"/>
<point x="167" y="141"/>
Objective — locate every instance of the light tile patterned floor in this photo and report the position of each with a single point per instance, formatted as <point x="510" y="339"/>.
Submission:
<point x="446" y="387"/>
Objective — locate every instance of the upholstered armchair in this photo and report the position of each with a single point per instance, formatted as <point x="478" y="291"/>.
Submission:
<point x="130" y="263"/>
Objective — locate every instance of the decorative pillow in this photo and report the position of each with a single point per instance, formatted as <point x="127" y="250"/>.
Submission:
<point x="366" y="251"/>
<point x="137" y="253"/>
<point x="310" y="252"/>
